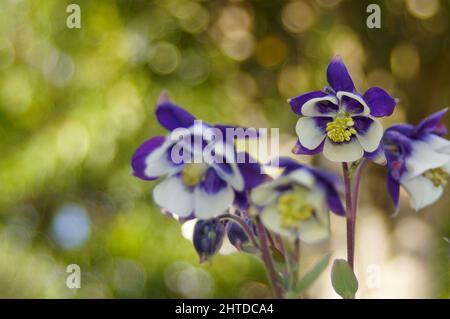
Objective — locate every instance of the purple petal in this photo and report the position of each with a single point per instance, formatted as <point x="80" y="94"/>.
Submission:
<point x="379" y="102"/>
<point x="298" y="101"/>
<point x="239" y="132"/>
<point x="299" y="149"/>
<point x="338" y="76"/>
<point x="376" y="156"/>
<point x="139" y="156"/>
<point x="241" y="200"/>
<point x="212" y="183"/>
<point x="351" y="105"/>
<point x="334" y="201"/>
<point x="208" y="237"/>
<point x="172" y="116"/>
<point x="432" y="124"/>
<point x="251" y="173"/>
<point x="394" y="190"/>
<point x="405" y="129"/>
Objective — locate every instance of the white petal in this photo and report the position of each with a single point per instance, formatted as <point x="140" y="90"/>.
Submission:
<point x="157" y="163"/>
<point x="343" y="152"/>
<point x="309" y="108"/>
<point x="171" y="194"/>
<point x="209" y="205"/>
<point x="309" y="134"/>
<point x="371" y="139"/>
<point x="421" y="191"/>
<point x="438" y="143"/>
<point x="313" y="231"/>
<point x="423" y="158"/>
<point x="366" y="109"/>
<point x="302" y="177"/>
<point x="266" y="193"/>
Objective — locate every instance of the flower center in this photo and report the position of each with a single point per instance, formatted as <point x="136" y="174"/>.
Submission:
<point x="341" y="129"/>
<point x="294" y="208"/>
<point x="192" y="174"/>
<point x="437" y="176"/>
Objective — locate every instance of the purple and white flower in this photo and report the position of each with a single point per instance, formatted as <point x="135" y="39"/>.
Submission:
<point x="418" y="159"/>
<point x="192" y="186"/>
<point x="297" y="203"/>
<point x="339" y="121"/>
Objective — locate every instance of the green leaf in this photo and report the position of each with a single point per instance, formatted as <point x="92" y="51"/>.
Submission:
<point x="313" y="274"/>
<point x="343" y="279"/>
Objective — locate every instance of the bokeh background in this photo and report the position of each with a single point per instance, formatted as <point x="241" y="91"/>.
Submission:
<point x="75" y="103"/>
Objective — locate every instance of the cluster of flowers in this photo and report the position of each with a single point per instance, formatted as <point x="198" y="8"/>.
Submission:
<point x="258" y="213"/>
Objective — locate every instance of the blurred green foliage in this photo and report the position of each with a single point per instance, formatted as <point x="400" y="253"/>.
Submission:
<point x="75" y="103"/>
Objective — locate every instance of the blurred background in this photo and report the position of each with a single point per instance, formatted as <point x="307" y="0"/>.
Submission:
<point x="76" y="103"/>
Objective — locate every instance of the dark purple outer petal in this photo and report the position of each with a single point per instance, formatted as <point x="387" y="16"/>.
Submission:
<point x="171" y="116"/>
<point x="432" y="124"/>
<point x="338" y="76"/>
<point x="379" y="101"/>
<point x="376" y="155"/>
<point x="299" y="149"/>
<point x="394" y="190"/>
<point x="298" y="101"/>
<point x="251" y="173"/>
<point x="405" y="129"/>
<point x="139" y="156"/>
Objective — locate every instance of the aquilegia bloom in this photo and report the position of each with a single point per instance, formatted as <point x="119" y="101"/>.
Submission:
<point x="296" y="204"/>
<point x="339" y="121"/>
<point x="418" y="159"/>
<point x="192" y="186"/>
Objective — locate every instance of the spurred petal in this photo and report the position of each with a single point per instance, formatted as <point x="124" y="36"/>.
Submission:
<point x="299" y="149"/>
<point x="376" y="156"/>
<point x="311" y="131"/>
<point x="343" y="152"/>
<point x="138" y="160"/>
<point x="338" y="76"/>
<point x="422" y="192"/>
<point x="172" y="195"/>
<point x="369" y="132"/>
<point x="379" y="101"/>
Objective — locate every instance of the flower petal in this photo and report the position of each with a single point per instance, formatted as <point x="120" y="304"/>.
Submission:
<point x="378" y="156"/>
<point x="140" y="155"/>
<point x="251" y="172"/>
<point x="171" y="116"/>
<point x="299" y="149"/>
<point x="172" y="195"/>
<point x="394" y="191"/>
<point x="311" y="131"/>
<point x="369" y="132"/>
<point x="322" y="106"/>
<point x="423" y="158"/>
<point x="211" y="204"/>
<point x="432" y="124"/>
<point x="343" y="152"/>
<point x="379" y="101"/>
<point x="421" y="191"/>
<point x="353" y="103"/>
<point x="338" y="76"/>
<point x="298" y="102"/>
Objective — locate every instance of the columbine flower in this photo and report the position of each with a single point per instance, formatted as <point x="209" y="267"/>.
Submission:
<point x="418" y="159"/>
<point x="296" y="204"/>
<point x="208" y="237"/>
<point x="202" y="189"/>
<point x="339" y="121"/>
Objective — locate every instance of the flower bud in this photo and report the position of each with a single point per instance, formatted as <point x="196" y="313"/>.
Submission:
<point x="208" y="237"/>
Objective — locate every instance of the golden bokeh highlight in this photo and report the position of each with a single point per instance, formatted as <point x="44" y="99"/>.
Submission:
<point x="297" y="16"/>
<point x="422" y="9"/>
<point x="405" y="61"/>
<point x="271" y="51"/>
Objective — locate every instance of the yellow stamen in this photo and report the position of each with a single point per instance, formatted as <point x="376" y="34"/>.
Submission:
<point x="192" y="174"/>
<point x="437" y="176"/>
<point x="294" y="208"/>
<point x="341" y="129"/>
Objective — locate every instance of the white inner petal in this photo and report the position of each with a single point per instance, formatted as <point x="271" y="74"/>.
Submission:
<point x="172" y="195"/>
<point x="209" y="205"/>
<point x="371" y="139"/>
<point x="421" y="191"/>
<point x="309" y="134"/>
<point x="343" y="152"/>
<point x="424" y="158"/>
<point x="309" y="108"/>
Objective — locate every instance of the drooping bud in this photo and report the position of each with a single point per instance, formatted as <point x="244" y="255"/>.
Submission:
<point x="208" y="237"/>
<point x="236" y="235"/>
